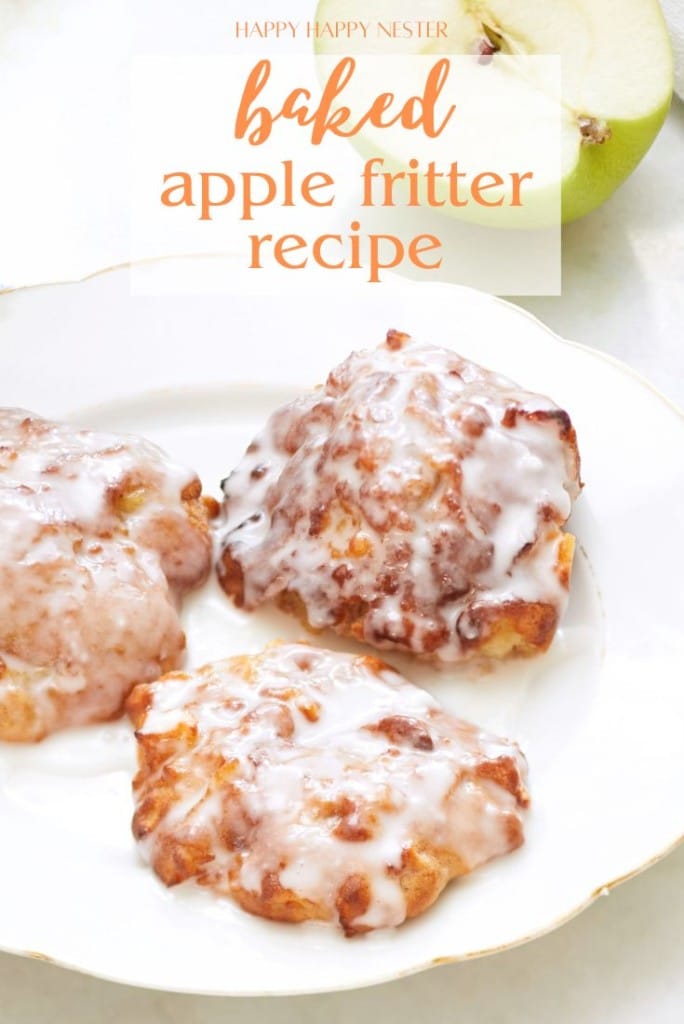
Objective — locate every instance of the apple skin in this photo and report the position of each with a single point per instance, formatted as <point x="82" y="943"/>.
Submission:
<point x="601" y="169"/>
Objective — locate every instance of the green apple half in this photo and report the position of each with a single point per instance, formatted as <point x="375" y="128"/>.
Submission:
<point x="616" y="61"/>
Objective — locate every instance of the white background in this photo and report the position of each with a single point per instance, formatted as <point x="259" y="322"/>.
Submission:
<point x="619" y="962"/>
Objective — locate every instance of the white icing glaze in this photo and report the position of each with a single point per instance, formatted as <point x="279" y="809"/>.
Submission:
<point x="95" y="549"/>
<point x="418" y="488"/>
<point x="317" y="792"/>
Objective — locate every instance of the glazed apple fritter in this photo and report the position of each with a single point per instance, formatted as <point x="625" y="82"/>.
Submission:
<point x="307" y="784"/>
<point x="100" y="536"/>
<point x="415" y="502"/>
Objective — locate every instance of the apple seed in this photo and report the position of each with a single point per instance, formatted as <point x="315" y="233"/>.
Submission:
<point x="594" y="132"/>
<point x="485" y="52"/>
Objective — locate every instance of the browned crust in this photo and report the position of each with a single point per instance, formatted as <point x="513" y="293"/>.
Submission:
<point x="504" y="772"/>
<point x="510" y="628"/>
<point x="18" y="719"/>
<point x="514" y="627"/>
<point x="231" y="577"/>
<point x="424" y="872"/>
<point x="519" y="628"/>
<point x="278" y="903"/>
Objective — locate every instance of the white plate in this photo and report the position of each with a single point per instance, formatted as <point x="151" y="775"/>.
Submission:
<point x="601" y="716"/>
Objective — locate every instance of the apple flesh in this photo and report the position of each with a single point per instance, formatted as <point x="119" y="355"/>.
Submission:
<point x="616" y="61"/>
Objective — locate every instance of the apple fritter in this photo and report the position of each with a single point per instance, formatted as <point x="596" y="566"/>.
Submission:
<point x="100" y="536"/>
<point x="416" y="502"/>
<point x="312" y="785"/>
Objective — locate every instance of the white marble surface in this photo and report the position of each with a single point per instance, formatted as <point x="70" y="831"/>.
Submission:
<point x="620" y="962"/>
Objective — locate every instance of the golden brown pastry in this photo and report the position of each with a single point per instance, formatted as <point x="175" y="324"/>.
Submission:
<point x="308" y="784"/>
<point x="414" y="502"/>
<point x="100" y="535"/>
